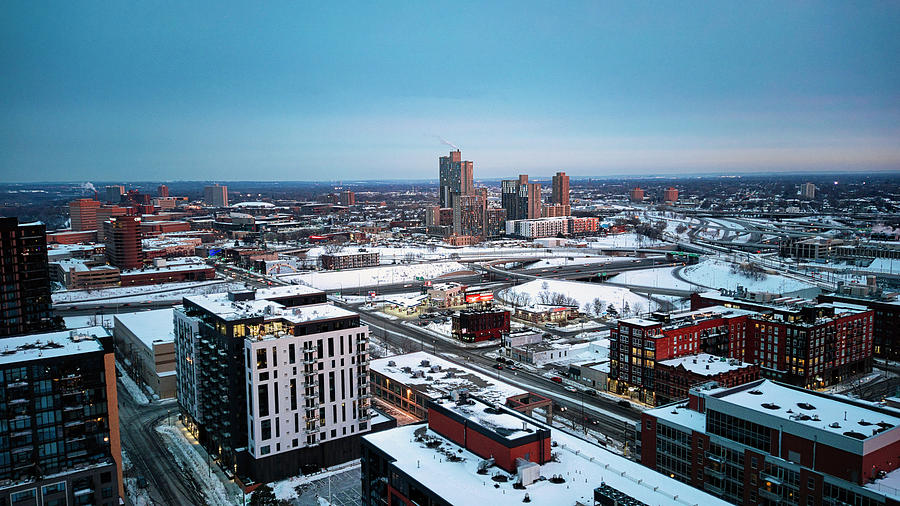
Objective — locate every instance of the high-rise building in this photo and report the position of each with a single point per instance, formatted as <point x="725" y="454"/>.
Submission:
<point x="114" y="193"/>
<point x="560" y="193"/>
<point x="808" y="191"/>
<point x="637" y="195"/>
<point x="348" y="198"/>
<point x="162" y="191"/>
<point x="521" y="199"/>
<point x="456" y="176"/>
<point x="216" y="195"/>
<point x="60" y="428"/>
<point x="104" y="213"/>
<point x="83" y="214"/>
<point x="670" y="196"/>
<point x="768" y="443"/>
<point x="273" y="380"/>
<point x="123" y="242"/>
<point x="25" y="275"/>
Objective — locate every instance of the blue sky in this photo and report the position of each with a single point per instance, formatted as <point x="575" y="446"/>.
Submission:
<point x="297" y="91"/>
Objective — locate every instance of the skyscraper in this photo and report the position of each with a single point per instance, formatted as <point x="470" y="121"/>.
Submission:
<point x="670" y="196"/>
<point x="456" y="176"/>
<point x="60" y="427"/>
<point x="123" y="242"/>
<point x="216" y="195"/>
<point x="637" y="195"/>
<point x="521" y="199"/>
<point x="162" y="191"/>
<point x="808" y="191"/>
<point x="25" y="290"/>
<point x="114" y="193"/>
<point x="83" y="214"/>
<point x="560" y="193"/>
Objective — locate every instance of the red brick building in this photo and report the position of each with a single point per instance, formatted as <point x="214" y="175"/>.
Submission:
<point x="675" y="377"/>
<point x="83" y="214"/>
<point x="123" y="242"/>
<point x="480" y="325"/>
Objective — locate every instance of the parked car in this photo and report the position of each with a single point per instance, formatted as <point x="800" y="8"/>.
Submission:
<point x="570" y="388"/>
<point x="499" y="367"/>
<point x="624" y="403"/>
<point x="556" y="379"/>
<point x="591" y="391"/>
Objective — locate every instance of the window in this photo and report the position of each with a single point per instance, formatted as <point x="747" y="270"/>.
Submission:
<point x="292" y="357"/>
<point x="55" y="488"/>
<point x="25" y="495"/>
<point x="261" y="359"/>
<point x="265" y="450"/>
<point x="263" y="400"/>
<point x="265" y="430"/>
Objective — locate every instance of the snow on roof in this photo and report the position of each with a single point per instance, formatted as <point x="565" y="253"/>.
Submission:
<point x="450" y="377"/>
<point x="151" y="327"/>
<point x="51" y="344"/>
<point x="223" y="307"/>
<point x="253" y="204"/>
<point x="583" y="465"/>
<point x="682" y="416"/>
<point x="497" y="420"/>
<point x="81" y="265"/>
<point x="285" y="291"/>
<point x="640" y="322"/>
<point x="853" y="420"/>
<point x="705" y="364"/>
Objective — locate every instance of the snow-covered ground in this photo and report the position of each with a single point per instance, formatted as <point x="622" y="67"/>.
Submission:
<point x="131" y="387"/>
<point x="627" y="240"/>
<point x="420" y="252"/>
<point x="658" y="278"/>
<point x="136" y="496"/>
<point x="717" y="274"/>
<point x="77" y="322"/>
<point x="287" y="489"/>
<point x="167" y="291"/>
<point x="583" y="293"/>
<point x="374" y="276"/>
<point x="564" y="260"/>
<point x="191" y="462"/>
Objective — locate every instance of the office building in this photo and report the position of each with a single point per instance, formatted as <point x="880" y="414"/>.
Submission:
<point x="348" y="198"/>
<point x="162" y="191"/>
<point x="273" y="381"/>
<point x="104" y="213"/>
<point x="637" y="195"/>
<point x="521" y="199"/>
<point x="456" y="176"/>
<point x="476" y="452"/>
<point x="60" y="428"/>
<point x="670" y="195"/>
<point x="114" y="193"/>
<point x="123" y="242"/>
<point x="808" y="191"/>
<point x="333" y="261"/>
<point x="24" y="270"/>
<point x="768" y="443"/>
<point x="216" y="195"/>
<point x="83" y="214"/>
<point x="145" y="343"/>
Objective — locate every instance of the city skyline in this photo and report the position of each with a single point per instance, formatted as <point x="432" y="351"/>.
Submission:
<point x="293" y="92"/>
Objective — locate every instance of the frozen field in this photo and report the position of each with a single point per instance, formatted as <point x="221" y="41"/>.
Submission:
<point x="374" y="276"/>
<point x="718" y="274"/>
<point x="584" y="293"/>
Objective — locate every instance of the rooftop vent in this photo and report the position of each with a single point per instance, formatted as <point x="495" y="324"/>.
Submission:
<point x="769" y="405"/>
<point x="392" y="363"/>
<point x="834" y="425"/>
<point x="853" y="433"/>
<point x="805" y="405"/>
<point x="754" y="392"/>
<point x="424" y="363"/>
<point x="864" y="423"/>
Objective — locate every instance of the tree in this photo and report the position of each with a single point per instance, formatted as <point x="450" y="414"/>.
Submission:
<point x="626" y="309"/>
<point x="612" y="310"/>
<point x="545" y="286"/>
<point x="263" y="496"/>
<point x="587" y="308"/>
<point x="598" y="306"/>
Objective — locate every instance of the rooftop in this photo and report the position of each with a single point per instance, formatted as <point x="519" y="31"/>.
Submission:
<point x="151" y="327"/>
<point x="222" y="306"/>
<point x="705" y="364"/>
<point x="502" y="422"/>
<point x="408" y="369"/>
<point x="583" y="466"/>
<point x="51" y="344"/>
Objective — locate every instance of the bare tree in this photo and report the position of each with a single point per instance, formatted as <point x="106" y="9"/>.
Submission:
<point x="598" y="306"/>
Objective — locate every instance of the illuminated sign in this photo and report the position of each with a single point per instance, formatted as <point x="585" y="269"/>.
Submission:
<point x="479" y="297"/>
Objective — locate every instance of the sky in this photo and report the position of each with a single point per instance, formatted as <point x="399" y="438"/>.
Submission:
<point x="300" y="91"/>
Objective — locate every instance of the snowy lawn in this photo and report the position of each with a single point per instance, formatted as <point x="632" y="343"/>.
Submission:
<point x="534" y="292"/>
<point x="169" y="291"/>
<point x="717" y="274"/>
<point x="373" y="276"/>
<point x="657" y="278"/>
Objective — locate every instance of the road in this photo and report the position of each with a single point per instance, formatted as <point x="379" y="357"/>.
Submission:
<point x="608" y="413"/>
<point x="168" y="484"/>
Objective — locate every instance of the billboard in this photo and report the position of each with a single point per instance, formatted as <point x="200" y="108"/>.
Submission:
<point x="479" y="297"/>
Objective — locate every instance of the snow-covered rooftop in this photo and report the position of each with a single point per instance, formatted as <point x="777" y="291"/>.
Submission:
<point x="222" y="306"/>
<point x="584" y="467"/>
<point x="51" y="344"/>
<point x="285" y="291"/>
<point x="151" y="327"/>
<point x="441" y="382"/>
<point x="705" y="364"/>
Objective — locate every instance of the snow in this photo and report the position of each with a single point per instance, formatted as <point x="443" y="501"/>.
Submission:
<point x="192" y="462"/>
<point x="583" y="293"/>
<point x="889" y="485"/>
<point x="705" y="364"/>
<point x="77" y="322"/>
<point x="476" y="383"/>
<point x="51" y="344"/>
<point x="718" y="274"/>
<point x="151" y="327"/>
<point x="131" y="387"/>
<point x="627" y="240"/>
<point x="564" y="260"/>
<point x="373" y="276"/>
<point x="583" y="465"/>
<point x="286" y="489"/>
<point x="663" y="277"/>
<point x="167" y="291"/>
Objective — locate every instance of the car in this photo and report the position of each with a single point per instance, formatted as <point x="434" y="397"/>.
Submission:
<point x="512" y="368"/>
<point x="501" y="359"/>
<point x="623" y="403"/>
<point x="591" y="391"/>
<point x="142" y="482"/>
<point x="572" y="389"/>
<point x="556" y="379"/>
<point x="499" y="367"/>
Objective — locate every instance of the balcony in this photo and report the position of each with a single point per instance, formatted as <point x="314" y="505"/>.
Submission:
<point x="714" y="490"/>
<point x="770" y="495"/>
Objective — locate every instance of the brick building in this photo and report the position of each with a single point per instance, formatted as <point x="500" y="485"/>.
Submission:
<point x="675" y="377"/>
<point x="476" y="325"/>
<point x="333" y="261"/>
<point x="123" y="242"/>
<point x="83" y="214"/>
